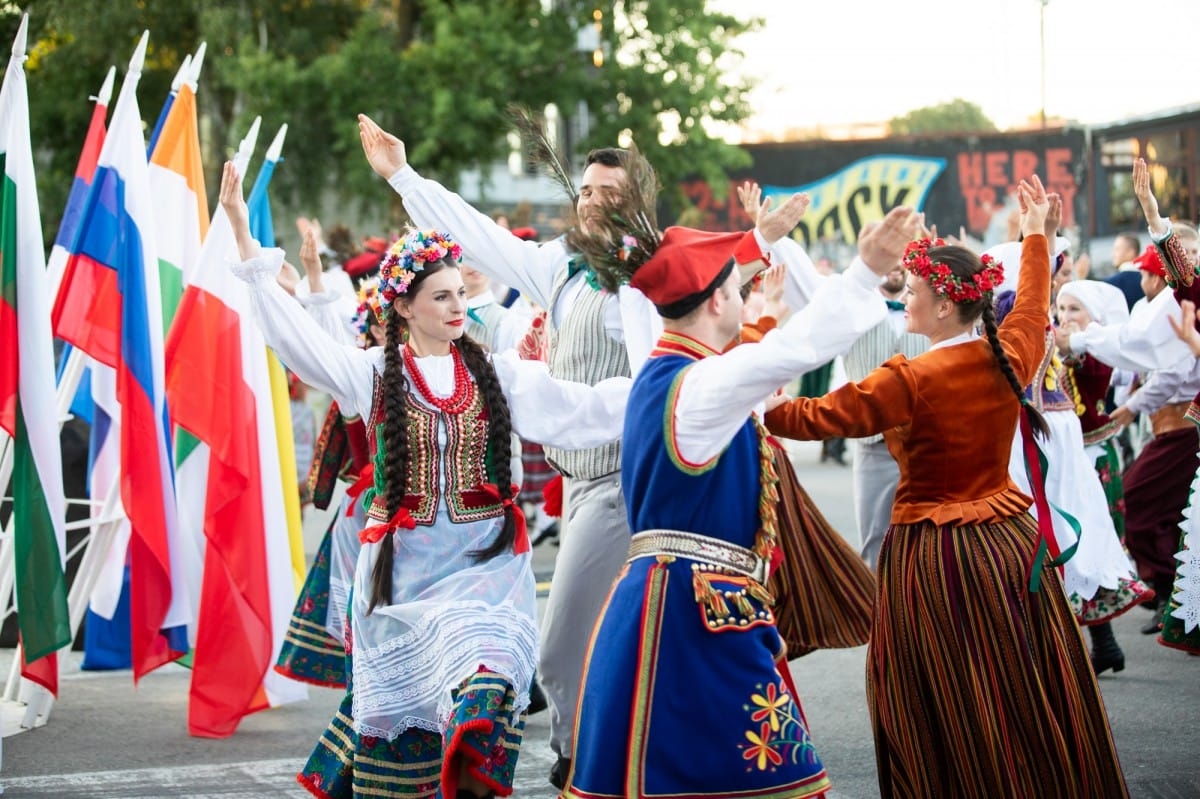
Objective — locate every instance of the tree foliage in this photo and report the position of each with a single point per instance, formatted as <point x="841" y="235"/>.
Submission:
<point x="438" y="73"/>
<point x="956" y="116"/>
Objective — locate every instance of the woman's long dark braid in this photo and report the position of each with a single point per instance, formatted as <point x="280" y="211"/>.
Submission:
<point x="499" y="439"/>
<point x="395" y="434"/>
<point x="1036" y="420"/>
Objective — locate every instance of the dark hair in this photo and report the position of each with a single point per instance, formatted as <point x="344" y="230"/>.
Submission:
<point x="1133" y="241"/>
<point x="608" y="156"/>
<point x="395" y="433"/>
<point x="963" y="264"/>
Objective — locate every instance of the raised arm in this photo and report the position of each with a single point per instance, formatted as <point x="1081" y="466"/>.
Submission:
<point x="526" y="266"/>
<point x="344" y="372"/>
<point x="718" y="392"/>
<point x="1023" y="332"/>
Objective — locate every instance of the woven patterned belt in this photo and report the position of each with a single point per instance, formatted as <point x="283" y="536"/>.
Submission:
<point x="649" y="543"/>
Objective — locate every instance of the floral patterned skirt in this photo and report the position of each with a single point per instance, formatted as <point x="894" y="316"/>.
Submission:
<point x="482" y="734"/>
<point x="1108" y="603"/>
<point x="309" y="653"/>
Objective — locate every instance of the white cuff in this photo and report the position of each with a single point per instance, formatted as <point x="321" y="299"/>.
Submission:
<point x="403" y="178"/>
<point x="858" y="272"/>
<point x="1166" y="235"/>
<point x="261" y="270"/>
<point x="310" y="300"/>
<point x="1078" y="343"/>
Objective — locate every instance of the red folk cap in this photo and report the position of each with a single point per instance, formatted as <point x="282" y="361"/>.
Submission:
<point x="684" y="269"/>
<point x="525" y="233"/>
<point x="1150" y="261"/>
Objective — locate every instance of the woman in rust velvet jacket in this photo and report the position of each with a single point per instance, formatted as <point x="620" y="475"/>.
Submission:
<point x="978" y="680"/>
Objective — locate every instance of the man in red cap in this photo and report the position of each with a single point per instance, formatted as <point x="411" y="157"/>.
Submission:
<point x="594" y="335"/>
<point x="1158" y="483"/>
<point x="685" y="690"/>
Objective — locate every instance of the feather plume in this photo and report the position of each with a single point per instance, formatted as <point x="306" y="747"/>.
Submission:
<point x="543" y="153"/>
<point x="624" y="234"/>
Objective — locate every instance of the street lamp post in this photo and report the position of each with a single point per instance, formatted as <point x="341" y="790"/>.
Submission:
<point x="1042" y="38"/>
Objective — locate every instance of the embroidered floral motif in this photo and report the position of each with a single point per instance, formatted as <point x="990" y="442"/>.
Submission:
<point x="465" y="460"/>
<point x="776" y="733"/>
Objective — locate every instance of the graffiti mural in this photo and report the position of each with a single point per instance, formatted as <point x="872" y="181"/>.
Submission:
<point x="958" y="182"/>
<point x="861" y="193"/>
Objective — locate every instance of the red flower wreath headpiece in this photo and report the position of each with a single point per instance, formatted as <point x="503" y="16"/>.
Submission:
<point x="943" y="281"/>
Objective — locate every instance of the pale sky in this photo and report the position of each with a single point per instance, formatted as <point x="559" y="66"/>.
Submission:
<point x="834" y="62"/>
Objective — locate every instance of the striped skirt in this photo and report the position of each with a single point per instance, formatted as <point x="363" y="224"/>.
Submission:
<point x="976" y="686"/>
<point x="823" y="589"/>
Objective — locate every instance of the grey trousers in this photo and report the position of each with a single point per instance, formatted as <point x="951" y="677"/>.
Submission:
<point x="876" y="476"/>
<point x="593" y="546"/>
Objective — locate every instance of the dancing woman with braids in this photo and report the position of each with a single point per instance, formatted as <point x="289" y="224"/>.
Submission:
<point x="978" y="680"/>
<point x="443" y="639"/>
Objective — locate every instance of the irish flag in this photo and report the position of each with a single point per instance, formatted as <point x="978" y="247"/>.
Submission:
<point x="27" y="392"/>
<point x="215" y="350"/>
<point x="181" y="222"/>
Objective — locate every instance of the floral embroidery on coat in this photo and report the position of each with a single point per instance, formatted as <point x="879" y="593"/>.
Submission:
<point x="776" y="732"/>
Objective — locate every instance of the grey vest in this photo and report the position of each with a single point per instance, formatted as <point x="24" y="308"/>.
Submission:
<point x="485" y="334"/>
<point x="582" y="350"/>
<point x="876" y="346"/>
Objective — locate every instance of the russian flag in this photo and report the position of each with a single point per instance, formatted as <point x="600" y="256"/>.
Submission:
<point x="116" y="252"/>
<point x="181" y="219"/>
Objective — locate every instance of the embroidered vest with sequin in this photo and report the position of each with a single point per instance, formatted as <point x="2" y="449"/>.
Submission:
<point x="465" y="463"/>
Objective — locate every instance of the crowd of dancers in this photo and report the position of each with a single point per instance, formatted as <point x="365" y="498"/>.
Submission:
<point x="987" y="481"/>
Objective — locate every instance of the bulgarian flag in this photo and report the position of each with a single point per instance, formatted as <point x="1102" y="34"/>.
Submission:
<point x="27" y="391"/>
<point x="216" y="350"/>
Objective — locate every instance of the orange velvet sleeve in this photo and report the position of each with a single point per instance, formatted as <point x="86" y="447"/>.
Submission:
<point x="883" y="400"/>
<point x="1023" y="332"/>
<point x="753" y="333"/>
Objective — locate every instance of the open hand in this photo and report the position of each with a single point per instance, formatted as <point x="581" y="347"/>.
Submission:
<point x="1185" y="326"/>
<point x="1053" y="217"/>
<point x="1122" y="416"/>
<point x="310" y="259"/>
<point x="776" y="223"/>
<point x="750" y="196"/>
<point x="385" y="153"/>
<point x="1034" y="205"/>
<point x="231" y="198"/>
<point x="882" y="246"/>
<point x="1142" y="190"/>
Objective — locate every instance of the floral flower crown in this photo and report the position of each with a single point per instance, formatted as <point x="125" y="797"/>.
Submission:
<point x="943" y="281"/>
<point x="370" y="309"/>
<point x="407" y="256"/>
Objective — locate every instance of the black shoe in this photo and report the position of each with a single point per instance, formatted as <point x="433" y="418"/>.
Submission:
<point x="545" y="534"/>
<point x="1106" y="652"/>
<point x="559" y="772"/>
<point x="1154" y="626"/>
<point x="537" y="699"/>
<point x="463" y="793"/>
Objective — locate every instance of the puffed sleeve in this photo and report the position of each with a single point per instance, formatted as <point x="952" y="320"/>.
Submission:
<point x="881" y="401"/>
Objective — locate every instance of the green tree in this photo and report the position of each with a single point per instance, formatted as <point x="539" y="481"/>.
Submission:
<point x="956" y="116"/>
<point x="668" y="61"/>
<point x="438" y="73"/>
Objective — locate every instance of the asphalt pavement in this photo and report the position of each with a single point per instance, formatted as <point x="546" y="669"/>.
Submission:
<point x="107" y="739"/>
